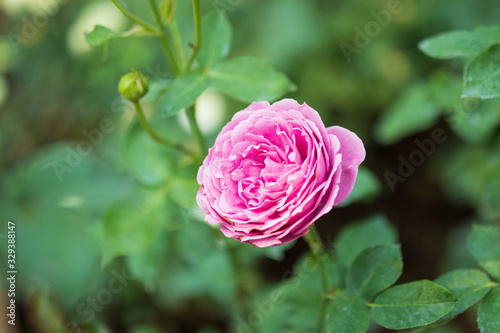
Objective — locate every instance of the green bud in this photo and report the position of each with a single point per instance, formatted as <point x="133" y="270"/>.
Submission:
<point x="133" y="86"/>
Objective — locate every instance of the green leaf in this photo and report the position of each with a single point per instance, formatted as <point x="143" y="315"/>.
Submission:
<point x="412" y="112"/>
<point x="347" y="316"/>
<point x="294" y="304"/>
<point x="412" y="304"/>
<point x="216" y="36"/>
<point x="468" y="286"/>
<point x="482" y="75"/>
<point x="488" y="316"/>
<point x="145" y="265"/>
<point x="356" y="237"/>
<point x="250" y="79"/>
<point x="132" y="224"/>
<point x="374" y="270"/>
<point x="367" y="187"/>
<point x="150" y="163"/>
<point x="490" y="191"/>
<point x="478" y="125"/>
<point x="185" y="187"/>
<point x="100" y="35"/>
<point x="182" y="93"/>
<point x="484" y="244"/>
<point x="454" y="44"/>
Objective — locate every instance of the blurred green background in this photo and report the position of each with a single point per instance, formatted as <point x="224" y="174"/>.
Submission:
<point x="55" y="91"/>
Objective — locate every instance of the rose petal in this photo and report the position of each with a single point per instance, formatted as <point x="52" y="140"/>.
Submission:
<point x="353" y="153"/>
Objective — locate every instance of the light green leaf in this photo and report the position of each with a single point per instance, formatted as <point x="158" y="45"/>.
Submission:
<point x="185" y="187"/>
<point x="413" y="111"/>
<point x="356" y="237"/>
<point x="182" y="93"/>
<point x="216" y="39"/>
<point x="250" y="79"/>
<point x="454" y="44"/>
<point x="132" y="224"/>
<point x="488" y="316"/>
<point x="150" y="163"/>
<point x="484" y="244"/>
<point x="482" y="75"/>
<point x="412" y="304"/>
<point x="347" y="316"/>
<point x="100" y="35"/>
<point x="367" y="187"/>
<point x="374" y="270"/>
<point x="468" y="286"/>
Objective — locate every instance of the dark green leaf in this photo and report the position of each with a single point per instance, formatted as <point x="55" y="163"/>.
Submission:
<point x="468" y="286"/>
<point x="347" y="316"/>
<point x="100" y="35"/>
<point x="216" y="39"/>
<point x="412" y="304"/>
<point x="482" y="75"/>
<point x="182" y="93"/>
<point x="488" y="316"/>
<point x="356" y="237"/>
<point x="250" y="79"/>
<point x="375" y="269"/>
<point x="484" y="244"/>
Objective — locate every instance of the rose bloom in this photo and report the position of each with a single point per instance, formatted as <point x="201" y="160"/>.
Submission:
<point x="274" y="170"/>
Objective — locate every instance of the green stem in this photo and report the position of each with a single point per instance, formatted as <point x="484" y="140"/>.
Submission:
<point x="134" y="18"/>
<point x="195" y="130"/>
<point x="164" y="38"/>
<point x="197" y="30"/>
<point x="317" y="251"/>
<point x="156" y="137"/>
<point x="177" y="40"/>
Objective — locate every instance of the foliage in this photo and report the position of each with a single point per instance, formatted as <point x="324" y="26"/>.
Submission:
<point x="109" y="234"/>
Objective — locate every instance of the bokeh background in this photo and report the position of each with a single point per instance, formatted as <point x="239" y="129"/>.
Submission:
<point x="54" y="88"/>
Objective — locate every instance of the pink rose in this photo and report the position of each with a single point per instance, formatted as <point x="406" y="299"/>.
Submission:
<point x="274" y="170"/>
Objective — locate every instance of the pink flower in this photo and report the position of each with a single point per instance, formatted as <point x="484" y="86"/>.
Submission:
<point x="274" y="170"/>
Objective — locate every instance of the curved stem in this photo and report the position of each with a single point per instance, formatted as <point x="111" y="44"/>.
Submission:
<point x="317" y="251"/>
<point x="195" y="130"/>
<point x="197" y="31"/>
<point x="144" y="123"/>
<point x="134" y="18"/>
<point x="164" y="38"/>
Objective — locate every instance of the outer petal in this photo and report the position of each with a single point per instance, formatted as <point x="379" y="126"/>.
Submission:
<point x="257" y="106"/>
<point x="353" y="153"/>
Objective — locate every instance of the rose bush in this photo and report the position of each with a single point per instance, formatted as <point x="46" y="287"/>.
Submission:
<point x="274" y="170"/>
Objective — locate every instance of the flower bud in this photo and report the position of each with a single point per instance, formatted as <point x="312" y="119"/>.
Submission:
<point x="133" y="86"/>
